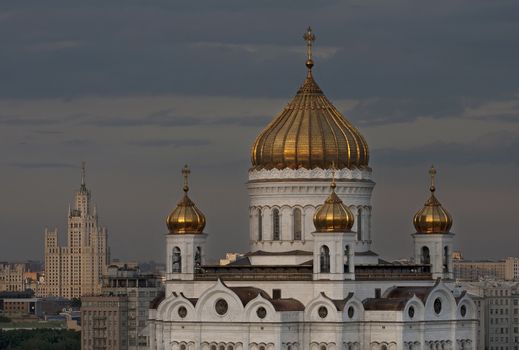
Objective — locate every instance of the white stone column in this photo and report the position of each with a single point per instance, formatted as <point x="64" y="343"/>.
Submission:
<point x="285" y="224"/>
<point x="267" y="224"/>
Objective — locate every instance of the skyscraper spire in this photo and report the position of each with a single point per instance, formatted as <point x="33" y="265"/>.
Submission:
<point x="83" y="175"/>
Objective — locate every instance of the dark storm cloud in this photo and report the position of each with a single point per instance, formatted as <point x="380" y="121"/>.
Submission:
<point x="379" y="111"/>
<point x="170" y="143"/>
<point x="48" y="132"/>
<point x="494" y="148"/>
<point x="81" y="79"/>
<point x="26" y="121"/>
<point x="390" y="50"/>
<point x="166" y="118"/>
<point x="42" y="165"/>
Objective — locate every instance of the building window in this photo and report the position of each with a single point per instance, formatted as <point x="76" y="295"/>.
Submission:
<point x="198" y="259"/>
<point x="275" y="225"/>
<point x="176" y="260"/>
<point x="297" y="224"/>
<point x="446" y="259"/>
<point x="260" y="226"/>
<point x="426" y="259"/>
<point x="324" y="258"/>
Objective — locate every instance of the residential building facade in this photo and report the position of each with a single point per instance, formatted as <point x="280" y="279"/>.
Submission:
<point x="136" y="291"/>
<point x="12" y="277"/>
<point x="76" y="269"/>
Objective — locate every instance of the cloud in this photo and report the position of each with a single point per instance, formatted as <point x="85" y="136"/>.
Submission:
<point x="167" y="118"/>
<point x="54" y="46"/>
<point x="493" y="148"/>
<point x="268" y="52"/>
<point x="170" y="143"/>
<point x="41" y="165"/>
<point x="22" y="121"/>
<point x="379" y="111"/>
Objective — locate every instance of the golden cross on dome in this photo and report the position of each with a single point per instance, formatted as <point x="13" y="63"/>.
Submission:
<point x="432" y="173"/>
<point x="185" y="173"/>
<point x="309" y="37"/>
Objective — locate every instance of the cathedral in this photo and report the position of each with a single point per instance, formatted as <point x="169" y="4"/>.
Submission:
<point x="311" y="280"/>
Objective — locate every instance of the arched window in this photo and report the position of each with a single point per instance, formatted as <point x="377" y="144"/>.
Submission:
<point x="260" y="226"/>
<point x="297" y="224"/>
<point x="275" y="225"/>
<point x="198" y="258"/>
<point x="213" y="347"/>
<point x="323" y="347"/>
<point x="359" y="225"/>
<point x="446" y="259"/>
<point x="347" y="256"/>
<point x="176" y="260"/>
<point x="426" y="258"/>
<point x="324" y="259"/>
<point x="183" y="347"/>
<point x="383" y="347"/>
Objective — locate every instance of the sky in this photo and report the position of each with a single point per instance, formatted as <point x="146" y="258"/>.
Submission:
<point x="137" y="89"/>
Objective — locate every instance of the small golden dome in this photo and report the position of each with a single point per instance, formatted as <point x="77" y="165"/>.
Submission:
<point x="310" y="132"/>
<point x="333" y="216"/>
<point x="186" y="218"/>
<point x="432" y="218"/>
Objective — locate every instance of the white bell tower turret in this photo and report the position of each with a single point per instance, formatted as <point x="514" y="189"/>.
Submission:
<point x="334" y="242"/>
<point x="186" y="241"/>
<point x="433" y="240"/>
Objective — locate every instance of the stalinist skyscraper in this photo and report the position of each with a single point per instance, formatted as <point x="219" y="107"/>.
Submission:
<point x="77" y="269"/>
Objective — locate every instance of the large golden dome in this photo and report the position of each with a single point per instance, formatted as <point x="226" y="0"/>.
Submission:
<point x="310" y="132"/>
<point x="186" y="218"/>
<point x="432" y="218"/>
<point x="333" y="216"/>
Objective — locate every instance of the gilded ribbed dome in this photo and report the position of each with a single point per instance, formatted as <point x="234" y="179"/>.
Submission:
<point x="432" y="218"/>
<point x="186" y="218"/>
<point x="309" y="133"/>
<point x="333" y="216"/>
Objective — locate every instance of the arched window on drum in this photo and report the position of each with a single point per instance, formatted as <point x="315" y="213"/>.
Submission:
<point x="298" y="217"/>
<point x="275" y="225"/>
<point x="260" y="225"/>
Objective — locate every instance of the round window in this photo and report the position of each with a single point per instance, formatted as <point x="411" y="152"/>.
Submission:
<point x="463" y="310"/>
<point x="261" y="312"/>
<point x="182" y="312"/>
<point x="323" y="312"/>
<point x="438" y="306"/>
<point x="410" y="312"/>
<point x="351" y="312"/>
<point x="221" y="307"/>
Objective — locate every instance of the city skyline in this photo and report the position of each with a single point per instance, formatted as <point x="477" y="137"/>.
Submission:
<point x="446" y="95"/>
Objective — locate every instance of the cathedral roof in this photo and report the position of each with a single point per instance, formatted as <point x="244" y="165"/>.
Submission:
<point x="382" y="304"/>
<point x="310" y="132"/>
<point x="247" y="293"/>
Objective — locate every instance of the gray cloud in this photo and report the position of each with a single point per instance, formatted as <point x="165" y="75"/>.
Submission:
<point x="493" y="148"/>
<point x="379" y="111"/>
<point x="22" y="121"/>
<point x="170" y="143"/>
<point x="41" y="165"/>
